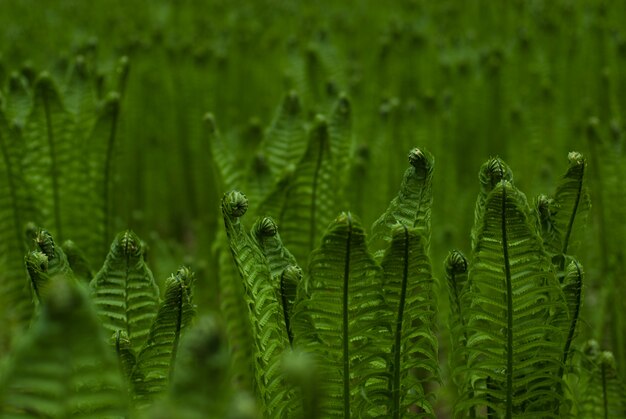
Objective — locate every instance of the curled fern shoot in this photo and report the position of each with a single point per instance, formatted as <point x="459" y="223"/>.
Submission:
<point x="457" y="268"/>
<point x="124" y="291"/>
<point x="490" y="174"/>
<point x="125" y="354"/>
<point x="412" y="205"/>
<point x="157" y="358"/>
<point x="514" y="351"/>
<point x="269" y="332"/>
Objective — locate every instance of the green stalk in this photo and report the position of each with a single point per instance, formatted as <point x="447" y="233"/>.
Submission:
<point x="346" y="355"/>
<point x="398" y="338"/>
<point x="509" y="314"/>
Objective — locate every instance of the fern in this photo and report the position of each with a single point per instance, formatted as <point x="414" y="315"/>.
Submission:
<point x="154" y="365"/>
<point x="514" y="351"/>
<point x="569" y="207"/>
<point x="491" y="173"/>
<point x="15" y="209"/>
<point x="340" y="133"/>
<point x="77" y="260"/>
<point x="605" y="394"/>
<point x="456" y="268"/>
<point x="266" y="317"/>
<point x="124" y="292"/>
<point x="410" y="293"/>
<point x="285" y="141"/>
<point x="345" y="306"/>
<point x="412" y="205"/>
<point x="572" y="290"/>
<point x="53" y="373"/>
<point x="312" y="197"/>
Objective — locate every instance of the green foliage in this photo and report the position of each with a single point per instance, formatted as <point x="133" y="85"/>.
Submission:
<point x="63" y="367"/>
<point x="124" y="292"/>
<point x="514" y="349"/>
<point x="157" y="358"/>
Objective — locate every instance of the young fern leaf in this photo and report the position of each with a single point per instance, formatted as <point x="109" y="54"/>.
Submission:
<point x="346" y="309"/>
<point x="200" y="385"/>
<point x="37" y="268"/>
<point x="290" y="279"/>
<point x="312" y="196"/>
<point x="266" y="317"/>
<point x="227" y="175"/>
<point x="572" y="289"/>
<point x="457" y="268"/>
<point x="409" y="290"/>
<point x="412" y="205"/>
<point x="491" y="173"/>
<point x="124" y="291"/>
<point x="61" y="371"/>
<point x="15" y="208"/>
<point x="156" y="360"/>
<point x="265" y="233"/>
<point x="285" y="141"/>
<point x="78" y="261"/>
<point x="125" y="354"/>
<point x="605" y="393"/>
<point x="340" y="133"/>
<point x="19" y="99"/>
<point x="235" y="315"/>
<point x="514" y="352"/>
<point x="571" y="205"/>
<point x="102" y="145"/>
<point x="52" y="157"/>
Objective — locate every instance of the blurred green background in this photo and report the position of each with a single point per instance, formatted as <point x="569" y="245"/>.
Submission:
<point x="528" y="81"/>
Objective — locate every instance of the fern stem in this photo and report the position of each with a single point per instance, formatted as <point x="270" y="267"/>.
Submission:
<point x="179" y="323"/>
<point x="346" y="355"/>
<point x="605" y="399"/>
<point x="54" y="171"/>
<point x="400" y="319"/>
<point x="572" y="328"/>
<point x="570" y="224"/>
<point x="285" y="303"/>
<point x="509" y="314"/>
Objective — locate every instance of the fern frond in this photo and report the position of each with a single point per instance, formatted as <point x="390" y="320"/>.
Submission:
<point x="200" y="385"/>
<point x="101" y="148"/>
<point x="19" y="99"/>
<point x="156" y="360"/>
<point x="124" y="291"/>
<point x="77" y="260"/>
<point x="312" y="197"/>
<point x="266" y="317"/>
<point x="412" y="205"/>
<point x="605" y="393"/>
<point x="47" y="261"/>
<point x="265" y="233"/>
<point x="16" y="208"/>
<point x="340" y="133"/>
<point x="457" y="268"/>
<point x="571" y="205"/>
<point x="514" y="352"/>
<point x="490" y="174"/>
<point x="125" y="354"/>
<point x="52" y="157"/>
<point x="227" y="175"/>
<point x="234" y="312"/>
<point x="410" y="293"/>
<point x="346" y="308"/>
<point x="61" y="371"/>
<point x="572" y="290"/>
<point x="284" y="142"/>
